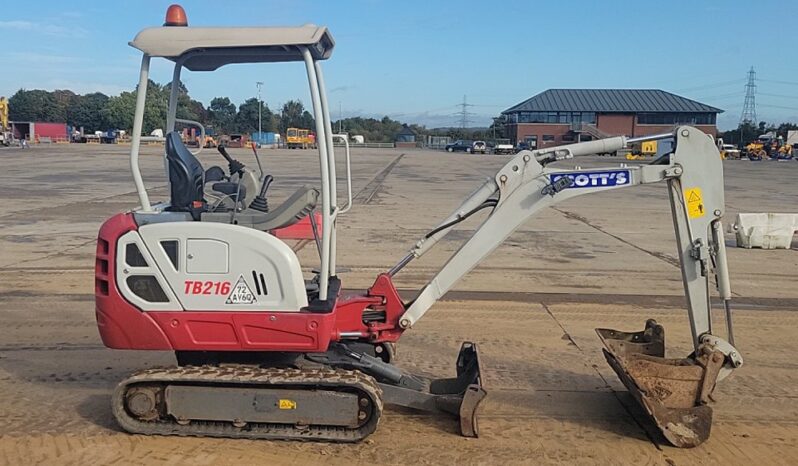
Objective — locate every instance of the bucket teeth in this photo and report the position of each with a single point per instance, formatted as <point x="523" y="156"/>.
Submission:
<point x="673" y="392"/>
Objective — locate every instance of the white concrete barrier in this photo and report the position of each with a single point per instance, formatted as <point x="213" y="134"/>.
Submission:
<point x="766" y="230"/>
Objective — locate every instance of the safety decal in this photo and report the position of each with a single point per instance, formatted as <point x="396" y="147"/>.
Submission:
<point x="695" y="203"/>
<point x="600" y="179"/>
<point x="241" y="293"/>
<point x="287" y="404"/>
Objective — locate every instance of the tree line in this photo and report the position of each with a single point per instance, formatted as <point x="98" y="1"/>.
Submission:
<point x="99" y="112"/>
<point x="748" y="131"/>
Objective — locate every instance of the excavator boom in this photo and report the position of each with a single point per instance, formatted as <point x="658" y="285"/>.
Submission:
<point x="674" y="392"/>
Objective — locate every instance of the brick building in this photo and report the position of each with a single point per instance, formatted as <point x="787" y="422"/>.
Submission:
<point x="562" y="116"/>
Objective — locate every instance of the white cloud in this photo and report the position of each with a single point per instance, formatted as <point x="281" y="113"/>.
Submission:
<point x="43" y="28"/>
<point x="36" y="58"/>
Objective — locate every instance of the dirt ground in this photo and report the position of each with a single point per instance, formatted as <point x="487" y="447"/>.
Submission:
<point x="601" y="261"/>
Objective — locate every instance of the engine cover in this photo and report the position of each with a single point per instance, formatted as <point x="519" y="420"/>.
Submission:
<point x="196" y="266"/>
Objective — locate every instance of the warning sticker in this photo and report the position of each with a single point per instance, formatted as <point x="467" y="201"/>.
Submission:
<point x="695" y="203"/>
<point x="241" y="293"/>
<point x="287" y="404"/>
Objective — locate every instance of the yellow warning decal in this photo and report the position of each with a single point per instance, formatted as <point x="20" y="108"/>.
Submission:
<point x="287" y="404"/>
<point x="695" y="203"/>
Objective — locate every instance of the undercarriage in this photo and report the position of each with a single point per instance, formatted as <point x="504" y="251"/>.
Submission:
<point x="336" y="396"/>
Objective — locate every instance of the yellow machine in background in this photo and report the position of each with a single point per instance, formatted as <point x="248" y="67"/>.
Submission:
<point x="642" y="150"/>
<point x="756" y="150"/>
<point x="5" y="131"/>
<point x="298" y="138"/>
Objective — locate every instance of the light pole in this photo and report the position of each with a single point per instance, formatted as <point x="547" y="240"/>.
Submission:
<point x="260" y="105"/>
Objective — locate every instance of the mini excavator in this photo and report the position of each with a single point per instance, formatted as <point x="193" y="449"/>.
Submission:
<point x="265" y="352"/>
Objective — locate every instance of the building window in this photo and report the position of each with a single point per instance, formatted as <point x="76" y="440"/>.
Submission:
<point x="671" y="118"/>
<point x="554" y="117"/>
<point x="548" y="138"/>
<point x="532" y="141"/>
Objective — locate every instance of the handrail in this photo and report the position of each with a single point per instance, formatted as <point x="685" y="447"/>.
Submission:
<point x="202" y="132"/>
<point x="344" y="210"/>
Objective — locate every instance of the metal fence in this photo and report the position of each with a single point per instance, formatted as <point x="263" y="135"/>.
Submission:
<point x="369" y="145"/>
<point x="438" y="142"/>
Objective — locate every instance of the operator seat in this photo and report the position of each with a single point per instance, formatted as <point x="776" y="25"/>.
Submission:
<point x="186" y="176"/>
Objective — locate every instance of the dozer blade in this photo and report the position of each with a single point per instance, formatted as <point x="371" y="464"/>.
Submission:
<point x="673" y="392"/>
<point x="459" y="395"/>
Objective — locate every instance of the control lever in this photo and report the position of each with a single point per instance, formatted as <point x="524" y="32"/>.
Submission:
<point x="257" y="159"/>
<point x="260" y="203"/>
<point x="234" y="165"/>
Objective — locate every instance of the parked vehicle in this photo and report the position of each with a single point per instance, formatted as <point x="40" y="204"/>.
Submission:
<point x="503" y="146"/>
<point x="459" y="145"/>
<point x="478" y="147"/>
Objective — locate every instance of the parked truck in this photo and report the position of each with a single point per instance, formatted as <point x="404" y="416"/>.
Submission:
<point x="6" y="136"/>
<point x="298" y="138"/>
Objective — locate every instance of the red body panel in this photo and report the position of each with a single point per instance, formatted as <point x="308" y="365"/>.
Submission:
<point x="124" y="326"/>
<point x="121" y="324"/>
<point x="302" y="229"/>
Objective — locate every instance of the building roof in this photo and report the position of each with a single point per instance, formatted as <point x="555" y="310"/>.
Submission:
<point x="208" y="48"/>
<point x="406" y="131"/>
<point x="610" y="101"/>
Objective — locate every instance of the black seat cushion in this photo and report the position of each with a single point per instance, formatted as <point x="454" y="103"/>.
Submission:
<point x="186" y="175"/>
<point x="215" y="173"/>
<point x="231" y="189"/>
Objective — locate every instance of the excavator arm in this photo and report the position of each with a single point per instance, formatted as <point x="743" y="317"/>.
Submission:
<point x="674" y="392"/>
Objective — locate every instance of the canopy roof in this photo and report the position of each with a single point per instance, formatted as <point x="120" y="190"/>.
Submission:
<point x="206" y="49"/>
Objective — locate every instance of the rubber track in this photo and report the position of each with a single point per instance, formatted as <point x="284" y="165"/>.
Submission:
<point x="243" y="375"/>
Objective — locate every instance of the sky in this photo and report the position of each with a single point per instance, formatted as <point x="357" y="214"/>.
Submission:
<point x="416" y="61"/>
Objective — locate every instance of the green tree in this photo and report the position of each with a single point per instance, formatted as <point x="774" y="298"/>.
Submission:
<point x="247" y="117"/>
<point x="35" y="105"/>
<point x="783" y="128"/>
<point x="222" y="114"/>
<point x="86" y="111"/>
<point x="120" y="109"/>
<point x="294" y="115"/>
<point x="373" y="130"/>
<point x="64" y="99"/>
<point x="187" y="108"/>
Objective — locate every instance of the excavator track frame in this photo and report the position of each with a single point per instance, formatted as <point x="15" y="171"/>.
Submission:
<point x="157" y="421"/>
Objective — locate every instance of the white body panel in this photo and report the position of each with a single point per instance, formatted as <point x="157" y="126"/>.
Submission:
<point x="220" y="267"/>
